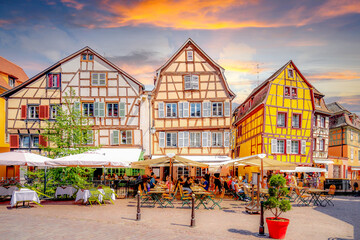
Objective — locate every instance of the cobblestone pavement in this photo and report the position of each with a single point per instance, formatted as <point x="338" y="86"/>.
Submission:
<point x="66" y="220"/>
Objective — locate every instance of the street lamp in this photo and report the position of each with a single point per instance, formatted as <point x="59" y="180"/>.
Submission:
<point x="152" y="130"/>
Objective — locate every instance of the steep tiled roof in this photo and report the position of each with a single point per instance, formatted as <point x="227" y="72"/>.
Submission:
<point x="336" y="107"/>
<point x="12" y="70"/>
<point x="342" y="117"/>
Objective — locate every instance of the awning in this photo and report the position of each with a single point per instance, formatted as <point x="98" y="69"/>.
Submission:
<point x="165" y="162"/>
<point x="268" y="163"/>
<point x="305" y="169"/>
<point x="323" y="161"/>
<point x="208" y="159"/>
<point x="355" y="168"/>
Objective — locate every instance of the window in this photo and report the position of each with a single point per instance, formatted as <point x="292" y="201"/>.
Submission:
<point x="217" y="109"/>
<point x="87" y="57"/>
<point x="190" y="56"/>
<point x="290" y="73"/>
<point x="171" y="139"/>
<point x="112" y="109"/>
<point x="317" y="102"/>
<point x="295" y="147"/>
<point x="25" y="141"/>
<point x="321" y="145"/>
<point x="195" y="139"/>
<point x="294" y="92"/>
<point x="191" y="82"/>
<point x="351" y="135"/>
<point x="217" y="139"/>
<point x="114" y="136"/>
<point x="11" y="82"/>
<point x="91" y="57"/>
<point x="281" y="120"/>
<point x="239" y="131"/>
<point x="183" y="109"/>
<point x="35" y="141"/>
<point x="200" y="171"/>
<point x="195" y="109"/>
<point x="33" y="112"/>
<point x="314" y="144"/>
<point x="88" y="137"/>
<point x="53" y="80"/>
<point x="322" y="122"/>
<point x="351" y="154"/>
<point x="171" y="110"/>
<point x="126" y="137"/>
<point x="98" y="79"/>
<point x="287" y="92"/>
<point x="84" y="57"/>
<point x="296" y="121"/>
<point x="281" y="146"/>
<point x="183" y="171"/>
<point x="88" y="109"/>
<point x="54" y="111"/>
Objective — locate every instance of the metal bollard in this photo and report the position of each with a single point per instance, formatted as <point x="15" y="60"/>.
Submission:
<point x="261" y="227"/>
<point x="138" y="214"/>
<point x="192" y="223"/>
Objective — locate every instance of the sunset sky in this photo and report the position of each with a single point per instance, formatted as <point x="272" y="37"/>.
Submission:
<point x="250" y="39"/>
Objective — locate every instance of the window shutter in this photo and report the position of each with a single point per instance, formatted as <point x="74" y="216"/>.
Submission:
<point x="204" y="109"/>
<point x="94" y="79"/>
<point x="303" y="147"/>
<point x="14" y="141"/>
<point x="327" y="122"/>
<point x="226" y="139"/>
<point x="96" y="109"/>
<point x="208" y="109"/>
<point x="42" y="141"/>
<point x="288" y="146"/>
<point x="102" y="79"/>
<point x="227" y="109"/>
<point x="162" y="139"/>
<point x="115" y="137"/>
<point x="101" y="109"/>
<point x="181" y="139"/>
<point x="122" y="109"/>
<point x="186" y="139"/>
<point x="59" y="79"/>
<point x="47" y="111"/>
<point x="205" y="139"/>
<point x="161" y="113"/>
<point x="187" y="81"/>
<point x="186" y="109"/>
<point x="41" y="112"/>
<point x="77" y="106"/>
<point x="194" y="82"/>
<point x="181" y="110"/>
<point x="50" y="77"/>
<point x="23" y="111"/>
<point x="274" y="146"/>
<point x="90" y="137"/>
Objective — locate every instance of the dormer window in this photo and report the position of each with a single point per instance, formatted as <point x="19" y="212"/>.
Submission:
<point x="190" y="56"/>
<point x="290" y="73"/>
<point x="11" y="82"/>
<point x="191" y="82"/>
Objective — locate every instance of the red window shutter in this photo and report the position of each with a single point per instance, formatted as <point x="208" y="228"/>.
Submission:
<point x="41" y="112"/>
<point x="58" y="81"/>
<point x="42" y="141"/>
<point x="23" y="111"/>
<point x="14" y="141"/>
<point x="50" y="76"/>
<point x="46" y="107"/>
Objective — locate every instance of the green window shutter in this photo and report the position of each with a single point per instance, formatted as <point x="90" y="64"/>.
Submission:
<point x="90" y="137"/>
<point x="115" y="137"/>
<point x="122" y="109"/>
<point x="96" y="109"/>
<point x="101" y="109"/>
<point x="77" y="106"/>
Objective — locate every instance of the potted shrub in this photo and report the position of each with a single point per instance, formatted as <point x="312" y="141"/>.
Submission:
<point x="277" y="204"/>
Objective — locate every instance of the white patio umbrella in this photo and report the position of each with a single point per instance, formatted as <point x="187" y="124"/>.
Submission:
<point x="88" y="159"/>
<point x="22" y="159"/>
<point x="306" y="169"/>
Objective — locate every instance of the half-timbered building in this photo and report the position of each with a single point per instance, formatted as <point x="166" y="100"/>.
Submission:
<point x="109" y="97"/>
<point x="191" y="109"/>
<point x="276" y="118"/>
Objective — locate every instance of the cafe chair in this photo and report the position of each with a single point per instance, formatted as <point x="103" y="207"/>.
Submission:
<point x="304" y="198"/>
<point x="169" y="198"/>
<point x="217" y="203"/>
<point x="329" y="196"/>
<point x="185" y="198"/>
<point x="145" y="198"/>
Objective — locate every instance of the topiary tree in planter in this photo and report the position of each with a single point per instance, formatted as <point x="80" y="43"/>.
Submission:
<point x="277" y="204"/>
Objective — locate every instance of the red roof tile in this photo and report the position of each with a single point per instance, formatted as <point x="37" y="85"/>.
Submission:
<point x="12" y="70"/>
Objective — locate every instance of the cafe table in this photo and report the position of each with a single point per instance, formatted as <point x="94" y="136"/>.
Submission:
<point x="65" y="190"/>
<point x="202" y="197"/>
<point x="315" y="196"/>
<point x="156" y="196"/>
<point x="84" y="195"/>
<point x="24" y="195"/>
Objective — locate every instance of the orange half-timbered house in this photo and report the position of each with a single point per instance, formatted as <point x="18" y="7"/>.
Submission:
<point x="109" y="97"/>
<point x="191" y="109"/>
<point x="276" y="119"/>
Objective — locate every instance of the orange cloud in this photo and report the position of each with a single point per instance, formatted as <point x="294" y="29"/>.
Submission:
<point x="3" y="22"/>
<point x="73" y="4"/>
<point x="249" y="67"/>
<point x="345" y="75"/>
<point x="143" y="73"/>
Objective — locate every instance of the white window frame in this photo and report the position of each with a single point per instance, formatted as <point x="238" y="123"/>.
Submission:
<point x="278" y="123"/>
<point x="195" y="139"/>
<point x="217" y="139"/>
<point x="172" y="106"/>
<point x="226" y="139"/>
<point x="196" y="106"/>
<point x="321" y="144"/>
<point x="190" y="57"/>
<point x="32" y="142"/>
<point x="22" y="137"/>
<point x="173" y="139"/>
<point x="290" y="73"/>
<point x="295" y="147"/>
<point x="280" y="146"/>
<point x="191" y="82"/>
<point x="216" y="106"/>
<point x="112" y="109"/>
<point x="293" y="123"/>
<point x="11" y="82"/>
<point x="127" y="140"/>
<point x="89" y="104"/>
<point x="54" y="111"/>
<point x="33" y="111"/>
<point x="98" y="79"/>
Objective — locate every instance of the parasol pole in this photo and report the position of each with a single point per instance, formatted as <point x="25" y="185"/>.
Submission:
<point x="170" y="156"/>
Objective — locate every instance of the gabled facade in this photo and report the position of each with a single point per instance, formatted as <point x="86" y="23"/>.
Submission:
<point x="276" y="119"/>
<point x="344" y="141"/>
<point x="320" y="128"/>
<point x="191" y="107"/>
<point x="108" y="97"/>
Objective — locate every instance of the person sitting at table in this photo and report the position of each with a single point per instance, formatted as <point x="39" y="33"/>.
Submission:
<point x="125" y="177"/>
<point x="204" y="184"/>
<point x="187" y="185"/>
<point x="152" y="180"/>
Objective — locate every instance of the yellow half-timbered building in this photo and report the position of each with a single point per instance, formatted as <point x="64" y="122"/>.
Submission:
<point x="276" y="119"/>
<point x="191" y="109"/>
